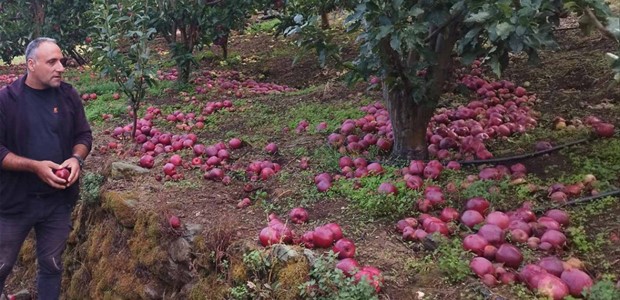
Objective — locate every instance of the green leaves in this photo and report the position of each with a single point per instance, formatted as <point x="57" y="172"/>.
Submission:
<point x="328" y="283"/>
<point x="613" y="25"/>
<point x="502" y="31"/>
<point x="479" y="17"/>
<point x="383" y="31"/>
<point x="64" y="21"/>
<point x="120" y="47"/>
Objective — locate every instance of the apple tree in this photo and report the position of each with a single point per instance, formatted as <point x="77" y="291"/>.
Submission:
<point x="15" y="28"/>
<point x="320" y="8"/>
<point x="63" y="20"/>
<point x="120" y="47"/>
<point x="189" y="25"/>
<point x="68" y="22"/>
<point x="411" y="46"/>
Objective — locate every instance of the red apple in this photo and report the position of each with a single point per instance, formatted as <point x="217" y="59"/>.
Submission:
<point x="174" y="222"/>
<point x="307" y="239"/>
<point x="344" y="248"/>
<point x="176" y="160"/>
<point x="147" y="161"/>
<point x="170" y="169"/>
<point x="336" y="230"/>
<point x="323" y="237"/>
<point x="298" y="215"/>
<point x="196" y="161"/>
<point x="271" y="148"/>
<point x="63" y="173"/>
<point x="244" y="203"/>
<point x="348" y="266"/>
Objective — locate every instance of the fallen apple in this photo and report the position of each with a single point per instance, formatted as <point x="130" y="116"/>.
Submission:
<point x="174" y="222"/>
<point x="344" y="248"/>
<point x="298" y="215"/>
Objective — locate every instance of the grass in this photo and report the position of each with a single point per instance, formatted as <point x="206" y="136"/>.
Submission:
<point x="315" y="113"/>
<point x="95" y="109"/>
<point x="267" y="26"/>
<point x="502" y="194"/>
<point x="363" y="192"/>
<point x="604" y="162"/>
<point x="452" y="260"/>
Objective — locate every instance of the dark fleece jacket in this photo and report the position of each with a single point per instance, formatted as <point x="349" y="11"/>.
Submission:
<point x="14" y="186"/>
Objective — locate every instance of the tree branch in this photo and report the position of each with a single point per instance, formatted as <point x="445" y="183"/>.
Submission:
<point x="443" y="26"/>
<point x="597" y="23"/>
<point x="395" y="64"/>
<point x="444" y="46"/>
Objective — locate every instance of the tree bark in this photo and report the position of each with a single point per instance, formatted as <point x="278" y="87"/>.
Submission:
<point x="79" y="59"/>
<point x="325" y="20"/>
<point x="38" y="13"/>
<point x="410" y="116"/>
<point x="409" y="122"/>
<point x="225" y="48"/>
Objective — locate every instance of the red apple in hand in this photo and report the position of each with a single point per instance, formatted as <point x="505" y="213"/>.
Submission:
<point x="345" y="248"/>
<point x="63" y="173"/>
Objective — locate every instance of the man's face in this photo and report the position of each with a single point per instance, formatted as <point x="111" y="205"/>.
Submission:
<point x="45" y="68"/>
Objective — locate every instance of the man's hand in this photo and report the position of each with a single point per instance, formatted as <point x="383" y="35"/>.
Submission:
<point x="74" y="166"/>
<point x="45" y="170"/>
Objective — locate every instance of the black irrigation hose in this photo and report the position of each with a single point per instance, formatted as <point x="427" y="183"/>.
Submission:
<point x="579" y="200"/>
<point x="522" y="156"/>
<point x="511" y="158"/>
<point x="590" y="198"/>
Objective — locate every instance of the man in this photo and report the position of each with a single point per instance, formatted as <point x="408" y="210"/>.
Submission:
<point x="43" y="128"/>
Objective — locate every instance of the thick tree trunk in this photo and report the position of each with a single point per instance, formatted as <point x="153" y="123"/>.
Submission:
<point x="409" y="123"/>
<point x="225" y="49"/>
<point x="38" y="16"/>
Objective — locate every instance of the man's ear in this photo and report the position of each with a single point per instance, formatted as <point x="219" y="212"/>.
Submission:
<point x="30" y="64"/>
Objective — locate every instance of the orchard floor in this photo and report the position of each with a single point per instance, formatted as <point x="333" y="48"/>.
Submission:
<point x="571" y="82"/>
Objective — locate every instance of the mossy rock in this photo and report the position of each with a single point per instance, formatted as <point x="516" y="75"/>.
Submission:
<point x="290" y="277"/>
<point x="80" y="278"/>
<point x="211" y="288"/>
<point x="28" y="253"/>
<point x="122" y="205"/>
<point x="202" y="254"/>
<point x="147" y="241"/>
<point x="124" y="170"/>
<point x="28" y="257"/>
<point x="238" y="272"/>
